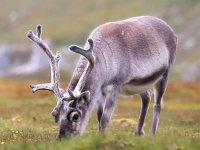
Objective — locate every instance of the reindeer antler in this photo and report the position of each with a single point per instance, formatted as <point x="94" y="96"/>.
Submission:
<point x="54" y="64"/>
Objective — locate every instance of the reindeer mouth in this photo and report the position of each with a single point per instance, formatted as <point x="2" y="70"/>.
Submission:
<point x="67" y="134"/>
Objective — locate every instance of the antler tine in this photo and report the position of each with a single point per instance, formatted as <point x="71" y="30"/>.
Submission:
<point x="39" y="31"/>
<point x="54" y="64"/>
<point x="71" y="94"/>
<point x="88" y="53"/>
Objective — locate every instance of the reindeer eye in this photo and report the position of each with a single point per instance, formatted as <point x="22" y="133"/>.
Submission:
<point x="74" y="116"/>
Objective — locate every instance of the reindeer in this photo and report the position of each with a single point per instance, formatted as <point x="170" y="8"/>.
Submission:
<point x="135" y="54"/>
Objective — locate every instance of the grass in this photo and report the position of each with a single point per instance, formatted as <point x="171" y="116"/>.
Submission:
<point x="25" y="122"/>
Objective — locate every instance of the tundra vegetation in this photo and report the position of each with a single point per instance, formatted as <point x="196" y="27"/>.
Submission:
<point x="28" y="125"/>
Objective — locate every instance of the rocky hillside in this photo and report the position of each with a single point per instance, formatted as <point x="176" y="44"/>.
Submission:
<point x="67" y="22"/>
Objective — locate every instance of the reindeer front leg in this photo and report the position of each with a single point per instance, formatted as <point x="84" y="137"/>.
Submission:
<point x="111" y="95"/>
<point x="95" y="97"/>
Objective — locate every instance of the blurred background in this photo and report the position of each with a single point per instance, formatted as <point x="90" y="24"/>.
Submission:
<point x="70" y="22"/>
<point x="24" y="117"/>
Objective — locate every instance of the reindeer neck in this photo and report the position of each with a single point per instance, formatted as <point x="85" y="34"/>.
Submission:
<point x="81" y="83"/>
<point x="94" y="81"/>
<point x="82" y="63"/>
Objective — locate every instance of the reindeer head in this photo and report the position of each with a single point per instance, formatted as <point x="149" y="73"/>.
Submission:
<point x="71" y="105"/>
<point x="71" y="113"/>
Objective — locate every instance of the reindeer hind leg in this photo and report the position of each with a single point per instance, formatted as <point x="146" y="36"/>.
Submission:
<point x="160" y="88"/>
<point x="146" y="97"/>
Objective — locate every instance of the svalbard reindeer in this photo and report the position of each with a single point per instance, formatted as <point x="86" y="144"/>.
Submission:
<point x="135" y="54"/>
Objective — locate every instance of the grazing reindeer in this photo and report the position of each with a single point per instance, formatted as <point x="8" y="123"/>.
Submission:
<point x="135" y="54"/>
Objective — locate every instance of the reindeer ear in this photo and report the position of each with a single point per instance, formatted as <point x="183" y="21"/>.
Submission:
<point x="72" y="103"/>
<point x="84" y="98"/>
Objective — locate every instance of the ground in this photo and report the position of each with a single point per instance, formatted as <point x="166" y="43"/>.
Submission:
<point x="25" y="121"/>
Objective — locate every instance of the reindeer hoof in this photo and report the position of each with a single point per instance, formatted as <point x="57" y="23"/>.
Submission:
<point x="139" y="133"/>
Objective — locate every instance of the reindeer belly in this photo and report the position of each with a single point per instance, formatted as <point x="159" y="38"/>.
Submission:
<point x="140" y="85"/>
<point x="129" y="89"/>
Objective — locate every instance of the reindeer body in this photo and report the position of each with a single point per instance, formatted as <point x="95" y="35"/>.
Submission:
<point x="135" y="53"/>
